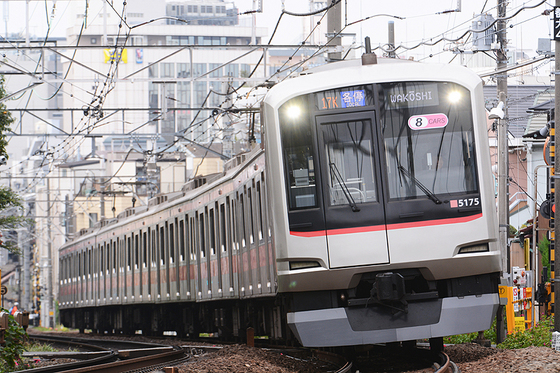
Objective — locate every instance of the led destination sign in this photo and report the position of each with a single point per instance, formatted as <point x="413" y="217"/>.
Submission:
<point x="341" y="99"/>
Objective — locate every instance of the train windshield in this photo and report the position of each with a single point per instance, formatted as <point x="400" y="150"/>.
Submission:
<point x="428" y="140"/>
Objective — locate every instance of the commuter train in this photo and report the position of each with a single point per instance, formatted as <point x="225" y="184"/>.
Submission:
<point x="366" y="216"/>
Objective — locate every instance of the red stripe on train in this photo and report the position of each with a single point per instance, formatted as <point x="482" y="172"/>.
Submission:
<point x="375" y="228"/>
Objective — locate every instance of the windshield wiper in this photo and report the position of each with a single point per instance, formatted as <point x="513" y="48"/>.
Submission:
<point x="347" y="194"/>
<point x="422" y="187"/>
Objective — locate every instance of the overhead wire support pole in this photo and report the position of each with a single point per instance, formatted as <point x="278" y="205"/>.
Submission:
<point x="555" y="244"/>
<point x="503" y="198"/>
<point x="503" y="204"/>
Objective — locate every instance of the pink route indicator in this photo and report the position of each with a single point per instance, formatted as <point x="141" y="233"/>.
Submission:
<point x="424" y="122"/>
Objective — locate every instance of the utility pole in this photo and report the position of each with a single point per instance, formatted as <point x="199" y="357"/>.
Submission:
<point x="503" y="202"/>
<point x="503" y="195"/>
<point x="391" y="45"/>
<point x="46" y="306"/>
<point x="334" y="26"/>
<point x="556" y="173"/>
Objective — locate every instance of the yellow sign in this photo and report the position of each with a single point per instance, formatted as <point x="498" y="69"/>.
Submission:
<point x="519" y="324"/>
<point x="115" y="55"/>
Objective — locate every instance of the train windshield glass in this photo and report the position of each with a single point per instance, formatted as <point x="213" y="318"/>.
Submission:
<point x="349" y="155"/>
<point x="428" y="138"/>
<point x="298" y="154"/>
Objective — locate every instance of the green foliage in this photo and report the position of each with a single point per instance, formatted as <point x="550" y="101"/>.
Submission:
<point x="512" y="231"/>
<point x="6" y="120"/>
<point x="9" y="219"/>
<point x="10" y="354"/>
<point x="539" y="335"/>
<point x="39" y="347"/>
<point x="489" y="334"/>
<point x="543" y="247"/>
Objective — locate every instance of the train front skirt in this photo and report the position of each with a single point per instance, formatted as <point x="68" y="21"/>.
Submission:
<point x="349" y="326"/>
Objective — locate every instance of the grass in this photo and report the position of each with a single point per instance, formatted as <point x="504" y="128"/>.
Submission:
<point x="58" y="328"/>
<point x="540" y="335"/>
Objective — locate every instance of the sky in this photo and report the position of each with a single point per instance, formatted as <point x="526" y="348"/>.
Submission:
<point x="423" y="21"/>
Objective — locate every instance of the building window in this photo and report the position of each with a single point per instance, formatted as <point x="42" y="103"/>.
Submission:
<point x="153" y="71"/>
<point x="92" y="219"/>
<point x="183" y="70"/>
<point x="167" y="70"/>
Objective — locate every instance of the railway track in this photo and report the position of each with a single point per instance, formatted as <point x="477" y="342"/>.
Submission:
<point x="104" y="355"/>
<point x="109" y="355"/>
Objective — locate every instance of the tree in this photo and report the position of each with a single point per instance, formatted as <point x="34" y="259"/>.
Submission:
<point x="10" y="202"/>
<point x="6" y="120"/>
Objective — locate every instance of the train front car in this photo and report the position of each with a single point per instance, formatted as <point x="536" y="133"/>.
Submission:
<point x="384" y="214"/>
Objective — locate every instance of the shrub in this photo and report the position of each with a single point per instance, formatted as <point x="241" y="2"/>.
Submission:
<point x="539" y="335"/>
<point x="10" y="354"/>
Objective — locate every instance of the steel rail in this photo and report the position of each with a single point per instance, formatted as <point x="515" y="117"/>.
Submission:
<point x="152" y="355"/>
<point x="446" y="364"/>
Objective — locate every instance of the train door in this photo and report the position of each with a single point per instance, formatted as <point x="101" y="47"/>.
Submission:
<point x="352" y="195"/>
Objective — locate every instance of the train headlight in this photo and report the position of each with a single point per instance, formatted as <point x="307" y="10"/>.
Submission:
<point x="304" y="264"/>
<point x="474" y="249"/>
<point x="293" y="112"/>
<point x="454" y="97"/>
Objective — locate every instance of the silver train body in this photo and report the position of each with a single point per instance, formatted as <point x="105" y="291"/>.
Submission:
<point x="385" y="224"/>
<point x="369" y="218"/>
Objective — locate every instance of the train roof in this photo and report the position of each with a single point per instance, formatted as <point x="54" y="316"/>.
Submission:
<point x="190" y="190"/>
<point x="353" y="72"/>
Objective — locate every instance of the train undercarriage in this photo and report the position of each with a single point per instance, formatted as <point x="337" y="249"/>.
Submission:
<point x="220" y="320"/>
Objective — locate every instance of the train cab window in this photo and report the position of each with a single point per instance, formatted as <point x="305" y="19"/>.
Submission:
<point x="349" y="154"/>
<point x="429" y="139"/>
<point x="297" y="140"/>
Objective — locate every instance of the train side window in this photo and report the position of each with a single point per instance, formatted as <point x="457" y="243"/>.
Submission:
<point x="182" y="243"/>
<point x="223" y="237"/>
<point x="233" y="225"/>
<point x="171" y="243"/>
<point x="136" y="251"/>
<point x="260" y="210"/>
<point x="251" y="217"/>
<point x="192" y="246"/>
<point x="79" y="266"/>
<point x="212" y="232"/>
<point x="241" y="215"/>
<point x="128" y="253"/>
<point x="153" y="251"/>
<point x="144" y="249"/>
<point x="108" y="256"/>
<point x="115" y="256"/>
<point x="162" y="245"/>
<point x="201" y="238"/>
